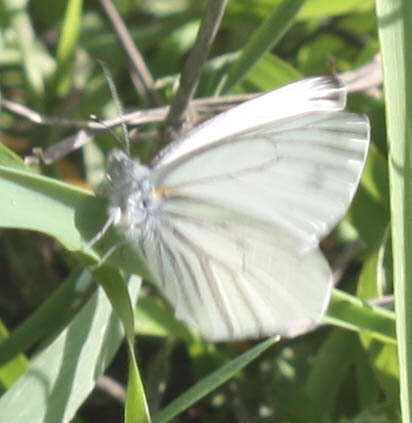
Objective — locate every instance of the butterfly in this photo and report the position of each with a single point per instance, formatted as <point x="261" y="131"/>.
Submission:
<point x="228" y="219"/>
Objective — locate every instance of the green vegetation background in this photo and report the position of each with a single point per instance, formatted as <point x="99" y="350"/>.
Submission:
<point x="61" y="332"/>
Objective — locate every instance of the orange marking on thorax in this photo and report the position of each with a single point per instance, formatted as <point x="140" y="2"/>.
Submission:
<point x="161" y="191"/>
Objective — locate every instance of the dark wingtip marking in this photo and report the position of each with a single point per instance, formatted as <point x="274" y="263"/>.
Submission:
<point x="331" y="83"/>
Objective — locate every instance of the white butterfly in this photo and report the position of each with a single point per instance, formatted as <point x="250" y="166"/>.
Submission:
<point x="228" y="218"/>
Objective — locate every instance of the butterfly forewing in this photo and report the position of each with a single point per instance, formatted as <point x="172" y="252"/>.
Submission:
<point x="301" y="178"/>
<point x="315" y="94"/>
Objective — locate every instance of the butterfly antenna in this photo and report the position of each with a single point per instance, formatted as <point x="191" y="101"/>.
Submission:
<point x="115" y="95"/>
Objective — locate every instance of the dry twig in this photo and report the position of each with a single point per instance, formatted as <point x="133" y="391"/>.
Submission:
<point x="112" y="388"/>
<point x="367" y="79"/>
<point x="193" y="68"/>
<point x="146" y="84"/>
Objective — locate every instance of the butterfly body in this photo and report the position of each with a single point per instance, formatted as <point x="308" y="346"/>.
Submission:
<point x="132" y="202"/>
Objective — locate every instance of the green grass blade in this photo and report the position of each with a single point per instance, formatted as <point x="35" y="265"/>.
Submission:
<point x="10" y="371"/>
<point x="352" y="313"/>
<point x="136" y="409"/>
<point x="67" y="47"/>
<point x="9" y="158"/>
<point x="269" y="33"/>
<point x="322" y="8"/>
<point x="330" y="368"/>
<point x="375" y="280"/>
<point x="211" y="382"/>
<point x="395" y="33"/>
<point x="26" y="41"/>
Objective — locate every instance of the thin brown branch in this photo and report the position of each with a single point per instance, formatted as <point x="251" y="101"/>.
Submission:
<point x="366" y="79"/>
<point x="135" y="118"/>
<point x="60" y="149"/>
<point x="146" y="84"/>
<point x="385" y="301"/>
<point x="192" y="69"/>
<point x="35" y="117"/>
<point x="112" y="388"/>
<point x="90" y="128"/>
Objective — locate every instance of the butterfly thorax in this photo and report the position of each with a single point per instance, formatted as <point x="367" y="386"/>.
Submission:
<point x="131" y="195"/>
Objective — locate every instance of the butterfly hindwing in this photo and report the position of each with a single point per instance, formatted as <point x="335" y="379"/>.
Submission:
<point x="231" y="281"/>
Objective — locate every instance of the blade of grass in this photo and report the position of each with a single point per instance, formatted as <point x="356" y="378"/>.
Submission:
<point x="67" y="47"/>
<point x="395" y="33"/>
<point x="136" y="409"/>
<point x="21" y="23"/>
<point x="211" y="382"/>
<point x="329" y="369"/>
<point x="9" y="158"/>
<point x="264" y="39"/>
<point x="352" y="313"/>
<point x="12" y="370"/>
